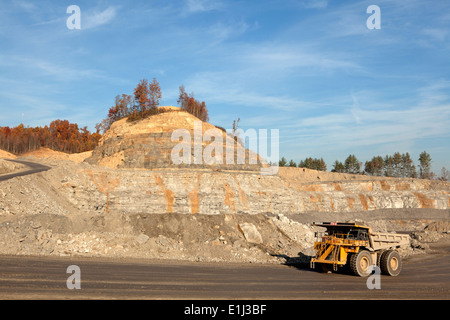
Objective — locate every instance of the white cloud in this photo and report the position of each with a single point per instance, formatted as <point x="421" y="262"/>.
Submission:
<point x="92" y="20"/>
<point x="340" y="130"/>
<point x="194" y="6"/>
<point x="289" y="57"/>
<point x="221" y="31"/>
<point x="25" y="5"/>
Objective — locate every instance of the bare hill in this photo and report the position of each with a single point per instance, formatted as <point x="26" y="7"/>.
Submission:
<point x="148" y="144"/>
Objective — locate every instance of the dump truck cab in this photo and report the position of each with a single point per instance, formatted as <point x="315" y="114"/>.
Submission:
<point x="357" y="246"/>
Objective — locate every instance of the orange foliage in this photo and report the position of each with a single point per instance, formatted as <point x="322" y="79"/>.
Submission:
<point x="61" y="135"/>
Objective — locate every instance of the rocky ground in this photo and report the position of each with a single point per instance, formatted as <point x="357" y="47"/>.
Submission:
<point x="260" y="238"/>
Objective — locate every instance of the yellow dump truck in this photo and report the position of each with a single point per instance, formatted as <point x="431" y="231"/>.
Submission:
<point x="358" y="247"/>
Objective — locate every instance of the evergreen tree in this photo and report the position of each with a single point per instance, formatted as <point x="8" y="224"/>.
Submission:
<point x="425" y="165"/>
<point x="338" y="167"/>
<point x="352" y="164"/>
<point x="292" y="164"/>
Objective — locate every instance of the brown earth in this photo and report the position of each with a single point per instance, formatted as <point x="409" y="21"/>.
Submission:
<point x="46" y="153"/>
<point x="6" y="155"/>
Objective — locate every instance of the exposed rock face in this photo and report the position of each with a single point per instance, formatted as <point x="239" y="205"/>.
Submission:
<point x="208" y="192"/>
<point x="160" y="140"/>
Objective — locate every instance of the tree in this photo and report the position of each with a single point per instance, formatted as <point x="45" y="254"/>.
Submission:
<point x="445" y="175"/>
<point x="338" y="167"/>
<point x="352" y="164"/>
<point x="313" y="164"/>
<point x="154" y="93"/>
<point x="142" y="104"/>
<point x="142" y="96"/>
<point x="190" y="104"/>
<point x="408" y="168"/>
<point x="61" y="135"/>
<point x="388" y="166"/>
<point x="292" y="164"/>
<point x="321" y="165"/>
<point x="375" y="167"/>
<point x="425" y="165"/>
<point x="282" y="162"/>
<point x="397" y="162"/>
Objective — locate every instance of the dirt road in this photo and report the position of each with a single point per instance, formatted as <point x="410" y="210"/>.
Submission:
<point x="45" y="278"/>
<point x="34" y="168"/>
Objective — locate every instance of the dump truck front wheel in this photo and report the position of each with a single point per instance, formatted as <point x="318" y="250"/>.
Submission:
<point x="391" y="263"/>
<point x="360" y="263"/>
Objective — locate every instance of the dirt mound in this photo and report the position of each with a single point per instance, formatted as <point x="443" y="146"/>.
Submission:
<point x="6" y="155"/>
<point x="46" y="153"/>
<point x="9" y="167"/>
<point x="150" y="143"/>
<point x="217" y="238"/>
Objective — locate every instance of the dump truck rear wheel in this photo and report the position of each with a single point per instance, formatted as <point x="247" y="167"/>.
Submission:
<point x="391" y="263"/>
<point x="360" y="263"/>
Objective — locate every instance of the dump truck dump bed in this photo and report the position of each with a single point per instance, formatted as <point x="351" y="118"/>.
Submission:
<point x="381" y="241"/>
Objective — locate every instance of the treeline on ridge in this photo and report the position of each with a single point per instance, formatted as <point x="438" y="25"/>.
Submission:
<point x="60" y="135"/>
<point x="144" y="102"/>
<point x="397" y="165"/>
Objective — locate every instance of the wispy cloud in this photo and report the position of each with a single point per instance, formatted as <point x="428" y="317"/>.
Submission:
<point x="46" y="68"/>
<point x="315" y="4"/>
<point x="25" y="5"/>
<point x="96" y="19"/>
<point x="194" y="6"/>
<point x="222" y="31"/>
<point x="383" y="131"/>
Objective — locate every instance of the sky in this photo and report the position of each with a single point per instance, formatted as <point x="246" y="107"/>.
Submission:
<point x="310" y="68"/>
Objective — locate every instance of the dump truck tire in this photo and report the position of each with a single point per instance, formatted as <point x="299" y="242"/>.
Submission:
<point x="360" y="263"/>
<point x="391" y="263"/>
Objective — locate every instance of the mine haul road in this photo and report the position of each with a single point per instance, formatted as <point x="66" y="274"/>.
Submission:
<point x="426" y="277"/>
<point x="33" y="168"/>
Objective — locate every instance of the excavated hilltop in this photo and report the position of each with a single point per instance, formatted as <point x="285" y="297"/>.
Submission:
<point x="129" y="198"/>
<point x="148" y="144"/>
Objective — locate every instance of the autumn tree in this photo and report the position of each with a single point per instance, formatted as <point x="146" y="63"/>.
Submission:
<point x="61" y="135"/>
<point x="375" y="167"/>
<point x="142" y="96"/>
<point x="154" y="93"/>
<point x="188" y="103"/>
<point x="142" y="104"/>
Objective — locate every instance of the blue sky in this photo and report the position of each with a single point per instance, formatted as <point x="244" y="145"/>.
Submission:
<point x="310" y="68"/>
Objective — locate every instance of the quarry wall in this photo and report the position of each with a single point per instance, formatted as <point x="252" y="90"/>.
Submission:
<point x="209" y="192"/>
